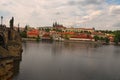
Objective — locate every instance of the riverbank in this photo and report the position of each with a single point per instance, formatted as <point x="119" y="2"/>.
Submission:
<point x="28" y="39"/>
<point x="81" y="41"/>
<point x="70" y="41"/>
<point x="65" y="41"/>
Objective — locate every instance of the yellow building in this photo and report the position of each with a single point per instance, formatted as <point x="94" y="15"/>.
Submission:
<point x="79" y="29"/>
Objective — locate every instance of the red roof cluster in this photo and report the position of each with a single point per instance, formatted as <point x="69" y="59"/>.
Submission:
<point x="71" y="33"/>
<point x="46" y="35"/>
<point x="82" y="36"/>
<point x="33" y="32"/>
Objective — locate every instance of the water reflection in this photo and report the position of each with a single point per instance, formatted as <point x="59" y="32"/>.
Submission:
<point x="69" y="61"/>
<point x="116" y="51"/>
<point x="58" y="47"/>
<point x="9" y="68"/>
<point x="81" y="45"/>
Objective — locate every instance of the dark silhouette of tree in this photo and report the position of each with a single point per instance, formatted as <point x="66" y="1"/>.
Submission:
<point x="26" y="27"/>
<point x="38" y="38"/>
<point x="47" y="30"/>
<point x="107" y="40"/>
<point x="116" y="40"/>
<point x="24" y="33"/>
<point x="117" y="37"/>
<point x="102" y="39"/>
<point x="96" y="38"/>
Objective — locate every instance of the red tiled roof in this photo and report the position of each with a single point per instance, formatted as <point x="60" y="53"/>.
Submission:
<point x="82" y="36"/>
<point x="46" y="35"/>
<point x="33" y="32"/>
<point x="71" y="33"/>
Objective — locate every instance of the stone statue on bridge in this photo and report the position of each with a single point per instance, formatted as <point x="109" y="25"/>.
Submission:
<point x="12" y="23"/>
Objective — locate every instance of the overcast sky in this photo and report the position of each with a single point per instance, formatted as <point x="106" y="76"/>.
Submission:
<point x="100" y="14"/>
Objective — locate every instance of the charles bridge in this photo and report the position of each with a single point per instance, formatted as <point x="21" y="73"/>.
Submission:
<point x="10" y="40"/>
<point x="10" y="51"/>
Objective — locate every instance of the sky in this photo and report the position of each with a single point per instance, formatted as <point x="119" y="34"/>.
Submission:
<point x="100" y="14"/>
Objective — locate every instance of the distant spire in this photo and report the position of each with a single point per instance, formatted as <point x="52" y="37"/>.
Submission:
<point x="53" y="24"/>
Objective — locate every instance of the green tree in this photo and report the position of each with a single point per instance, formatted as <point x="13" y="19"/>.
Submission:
<point x="107" y="40"/>
<point x="116" y="40"/>
<point x="23" y="34"/>
<point x="26" y="28"/>
<point x="102" y="39"/>
<point x="47" y="30"/>
<point x="96" y="38"/>
<point x="58" y="30"/>
<point x="67" y="37"/>
<point x="117" y="37"/>
<point x="38" y="38"/>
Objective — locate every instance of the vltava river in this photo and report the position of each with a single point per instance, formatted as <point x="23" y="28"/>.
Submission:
<point x="69" y="61"/>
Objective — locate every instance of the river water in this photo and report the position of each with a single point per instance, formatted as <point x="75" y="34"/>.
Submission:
<point x="69" y="61"/>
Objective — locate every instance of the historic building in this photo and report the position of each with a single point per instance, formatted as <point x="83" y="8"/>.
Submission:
<point x="79" y="29"/>
<point x="33" y="33"/>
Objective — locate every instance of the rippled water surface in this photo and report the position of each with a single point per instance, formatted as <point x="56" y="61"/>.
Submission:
<point x="69" y="61"/>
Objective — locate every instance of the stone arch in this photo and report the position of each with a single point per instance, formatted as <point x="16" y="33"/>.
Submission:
<point x="2" y="42"/>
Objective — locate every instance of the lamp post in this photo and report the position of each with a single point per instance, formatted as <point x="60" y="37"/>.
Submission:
<point x="1" y="20"/>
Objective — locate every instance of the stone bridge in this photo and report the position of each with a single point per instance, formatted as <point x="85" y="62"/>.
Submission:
<point x="3" y="34"/>
<point x="2" y="39"/>
<point x="10" y="40"/>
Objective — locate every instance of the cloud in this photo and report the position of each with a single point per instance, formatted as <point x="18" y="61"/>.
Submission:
<point x="92" y="2"/>
<point x="76" y="13"/>
<point x="115" y="9"/>
<point x="4" y="13"/>
<point x="117" y="25"/>
<point x="113" y="1"/>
